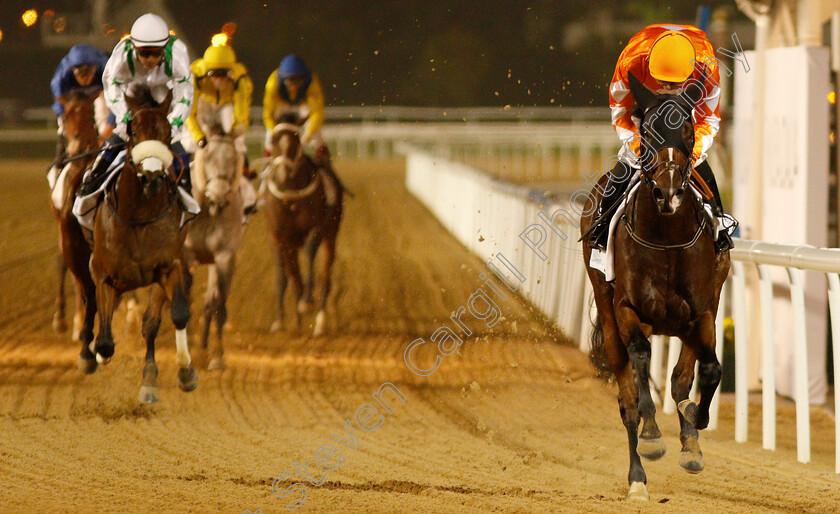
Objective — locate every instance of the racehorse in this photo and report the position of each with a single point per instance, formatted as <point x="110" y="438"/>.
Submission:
<point x="74" y="252"/>
<point x="298" y="213"/>
<point x="137" y="241"/>
<point x="668" y="281"/>
<point x="214" y="235"/>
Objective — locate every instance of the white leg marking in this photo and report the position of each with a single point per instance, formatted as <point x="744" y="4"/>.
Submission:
<point x="183" y="356"/>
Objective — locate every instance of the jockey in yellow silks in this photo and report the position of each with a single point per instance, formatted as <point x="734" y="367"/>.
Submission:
<point x="294" y="89"/>
<point x="222" y="96"/>
<point x="663" y="57"/>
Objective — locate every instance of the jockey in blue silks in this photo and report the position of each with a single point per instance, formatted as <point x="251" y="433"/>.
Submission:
<point x="79" y="72"/>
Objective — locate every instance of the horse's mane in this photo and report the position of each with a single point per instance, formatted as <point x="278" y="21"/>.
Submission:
<point x="142" y="95"/>
<point x="662" y="123"/>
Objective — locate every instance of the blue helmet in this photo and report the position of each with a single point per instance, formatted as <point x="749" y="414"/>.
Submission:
<point x="293" y="66"/>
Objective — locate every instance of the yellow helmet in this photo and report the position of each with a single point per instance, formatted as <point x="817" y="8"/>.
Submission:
<point x="671" y="57"/>
<point x="219" y="57"/>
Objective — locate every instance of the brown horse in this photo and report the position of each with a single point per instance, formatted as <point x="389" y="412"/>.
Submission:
<point x="298" y="213"/>
<point x="215" y="234"/>
<point x="137" y="241"/>
<point x="82" y="138"/>
<point x="667" y="281"/>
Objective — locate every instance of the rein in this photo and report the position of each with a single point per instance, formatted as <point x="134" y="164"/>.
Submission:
<point x="653" y="246"/>
<point x="136" y="222"/>
<point x="294" y="194"/>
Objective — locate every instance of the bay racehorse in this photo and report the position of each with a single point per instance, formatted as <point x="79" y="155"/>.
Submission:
<point x="667" y="281"/>
<point x="214" y="235"/>
<point x="81" y="136"/>
<point x="137" y="241"/>
<point x="298" y="213"/>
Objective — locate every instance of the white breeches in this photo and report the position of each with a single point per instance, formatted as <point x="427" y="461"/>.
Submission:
<point x="209" y="114"/>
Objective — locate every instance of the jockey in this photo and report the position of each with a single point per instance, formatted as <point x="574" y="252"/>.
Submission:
<point x="663" y="57"/>
<point x="222" y="95"/>
<point x="152" y="58"/>
<point x="80" y="71"/>
<point x="293" y="88"/>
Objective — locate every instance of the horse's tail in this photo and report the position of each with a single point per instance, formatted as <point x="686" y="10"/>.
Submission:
<point x="597" y="352"/>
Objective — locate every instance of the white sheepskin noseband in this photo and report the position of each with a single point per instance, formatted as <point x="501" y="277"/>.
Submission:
<point x="151" y="155"/>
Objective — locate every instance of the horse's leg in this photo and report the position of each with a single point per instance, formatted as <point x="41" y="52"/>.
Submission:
<point x="638" y="349"/>
<point x="290" y="258"/>
<point x="107" y="299"/>
<point x="691" y="458"/>
<point x="87" y="290"/>
<point x="281" y="280"/>
<point x="59" y="322"/>
<point x="151" y="323"/>
<point x="628" y="395"/>
<point x="702" y="342"/>
<point x="173" y="284"/>
<point x="311" y="249"/>
<point x="225" y="267"/>
<point x="133" y="316"/>
<point x="326" y="284"/>
<point x="79" y="315"/>
<point x="210" y="298"/>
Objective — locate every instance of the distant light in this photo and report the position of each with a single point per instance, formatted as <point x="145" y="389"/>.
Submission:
<point x="171" y="32"/>
<point x="1" y="35"/>
<point x="49" y="12"/>
<point x="59" y="24"/>
<point x="832" y="97"/>
<point x="29" y="17"/>
<point x="220" y="39"/>
<point x="229" y="28"/>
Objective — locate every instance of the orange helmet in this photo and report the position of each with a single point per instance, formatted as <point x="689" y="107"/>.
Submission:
<point x="671" y="57"/>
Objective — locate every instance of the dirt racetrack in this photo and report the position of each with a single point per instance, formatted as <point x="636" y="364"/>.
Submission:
<point x="515" y="422"/>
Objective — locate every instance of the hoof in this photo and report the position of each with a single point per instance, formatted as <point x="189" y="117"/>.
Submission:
<point x="148" y="394"/>
<point x="305" y="306"/>
<point x="651" y="449"/>
<point x="689" y="411"/>
<point x="59" y="323"/>
<point x="692" y="462"/>
<point x="638" y="492"/>
<point x="320" y="324"/>
<point x="187" y="379"/>
<point x="217" y="363"/>
<point x="87" y="366"/>
<point x="276" y="326"/>
<point x="102" y="360"/>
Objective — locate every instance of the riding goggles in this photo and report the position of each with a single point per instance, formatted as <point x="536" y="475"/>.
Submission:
<point x="147" y="52"/>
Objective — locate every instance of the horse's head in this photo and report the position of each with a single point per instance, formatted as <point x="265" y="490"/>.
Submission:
<point x="667" y="140"/>
<point x="286" y="150"/>
<point x="78" y="123"/>
<point x="149" y="133"/>
<point x="219" y="170"/>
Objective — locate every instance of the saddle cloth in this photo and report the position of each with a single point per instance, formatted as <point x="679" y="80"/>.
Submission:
<point x="605" y="261"/>
<point x="84" y="207"/>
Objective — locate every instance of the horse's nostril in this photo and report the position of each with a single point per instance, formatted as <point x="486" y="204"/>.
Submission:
<point x="680" y="192"/>
<point x="657" y="194"/>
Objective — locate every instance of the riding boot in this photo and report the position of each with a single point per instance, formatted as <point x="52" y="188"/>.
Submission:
<point x="333" y="185"/>
<point x="724" y="240"/>
<point x="181" y="166"/>
<point x="58" y="163"/>
<point x="617" y="180"/>
<point x="98" y="172"/>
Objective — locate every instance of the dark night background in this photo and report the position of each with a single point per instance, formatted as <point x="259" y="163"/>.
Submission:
<point x="417" y="53"/>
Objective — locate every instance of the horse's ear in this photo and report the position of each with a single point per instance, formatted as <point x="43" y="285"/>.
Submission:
<point x="133" y="105"/>
<point x="643" y="96"/>
<point x="694" y="94"/>
<point x="166" y="101"/>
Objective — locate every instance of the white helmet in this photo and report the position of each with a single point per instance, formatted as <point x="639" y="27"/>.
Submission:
<point x="149" y="30"/>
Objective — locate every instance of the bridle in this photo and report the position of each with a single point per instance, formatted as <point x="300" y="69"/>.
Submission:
<point x="647" y="176"/>
<point x="282" y="160"/>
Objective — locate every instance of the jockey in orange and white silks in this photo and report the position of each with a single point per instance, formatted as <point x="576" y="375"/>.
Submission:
<point x="685" y="45"/>
<point x="663" y="57"/>
<point x="153" y="58"/>
<point x="223" y="91"/>
<point x="294" y="89"/>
